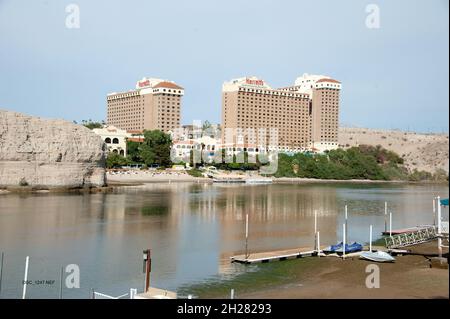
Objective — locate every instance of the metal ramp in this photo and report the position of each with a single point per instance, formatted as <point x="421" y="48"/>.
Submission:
<point x="412" y="238"/>
<point x="444" y="228"/>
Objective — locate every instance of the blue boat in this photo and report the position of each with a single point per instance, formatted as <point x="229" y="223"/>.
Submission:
<point x="349" y="248"/>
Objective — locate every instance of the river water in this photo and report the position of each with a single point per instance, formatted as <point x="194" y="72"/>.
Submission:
<point x="192" y="230"/>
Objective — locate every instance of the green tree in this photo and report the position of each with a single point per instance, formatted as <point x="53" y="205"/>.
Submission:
<point x="114" y="160"/>
<point x="156" y="148"/>
<point x="133" y="152"/>
<point x="440" y="175"/>
<point x="206" y="126"/>
<point x="362" y="162"/>
<point x="92" y="124"/>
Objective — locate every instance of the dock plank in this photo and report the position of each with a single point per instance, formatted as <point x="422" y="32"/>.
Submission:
<point x="275" y="255"/>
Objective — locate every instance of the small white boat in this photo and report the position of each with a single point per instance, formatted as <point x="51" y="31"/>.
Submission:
<point x="378" y="256"/>
<point x="258" y="180"/>
<point x="228" y="180"/>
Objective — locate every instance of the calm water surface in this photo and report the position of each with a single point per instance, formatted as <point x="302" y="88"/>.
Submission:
<point x="192" y="230"/>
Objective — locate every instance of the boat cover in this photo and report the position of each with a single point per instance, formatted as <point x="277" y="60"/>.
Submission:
<point x="349" y="248"/>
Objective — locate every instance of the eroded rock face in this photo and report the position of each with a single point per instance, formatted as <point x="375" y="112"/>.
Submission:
<point x="49" y="153"/>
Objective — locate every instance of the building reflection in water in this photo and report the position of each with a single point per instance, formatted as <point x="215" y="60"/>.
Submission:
<point x="192" y="229"/>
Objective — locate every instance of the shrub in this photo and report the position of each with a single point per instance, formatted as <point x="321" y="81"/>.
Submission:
<point x="195" y="172"/>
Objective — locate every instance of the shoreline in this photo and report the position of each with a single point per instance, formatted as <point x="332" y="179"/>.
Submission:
<point x="138" y="179"/>
<point x="410" y="276"/>
<point x="338" y="279"/>
<point x="57" y="190"/>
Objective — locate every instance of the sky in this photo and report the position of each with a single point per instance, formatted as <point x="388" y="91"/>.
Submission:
<point x="393" y="77"/>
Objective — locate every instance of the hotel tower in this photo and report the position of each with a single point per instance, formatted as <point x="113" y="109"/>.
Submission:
<point x="153" y="104"/>
<point x="305" y="114"/>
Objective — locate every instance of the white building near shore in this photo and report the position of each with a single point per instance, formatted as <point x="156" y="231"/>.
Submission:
<point x="116" y="139"/>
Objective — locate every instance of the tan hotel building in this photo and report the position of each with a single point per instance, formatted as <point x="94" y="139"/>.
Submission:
<point x="305" y="114"/>
<point x="153" y="104"/>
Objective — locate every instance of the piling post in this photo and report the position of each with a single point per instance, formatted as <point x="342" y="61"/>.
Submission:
<point x="25" y="277"/>
<point x="390" y="224"/>
<point x="1" y="271"/>
<point x="148" y="268"/>
<point x="246" y="236"/>
<point x="346" y="223"/>
<point x="318" y="244"/>
<point x="439" y="226"/>
<point x="232" y="294"/>
<point x="434" y="211"/>
<point x="370" y="238"/>
<point x="315" y="228"/>
<point x="61" y="283"/>
<point x="385" y="217"/>
<point x="343" y="241"/>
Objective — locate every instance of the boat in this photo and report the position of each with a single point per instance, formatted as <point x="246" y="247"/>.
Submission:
<point x="332" y="249"/>
<point x="258" y="181"/>
<point x="349" y="248"/>
<point x="378" y="256"/>
<point x="228" y="180"/>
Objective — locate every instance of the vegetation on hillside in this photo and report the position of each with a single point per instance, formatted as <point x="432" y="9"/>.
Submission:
<point x="90" y="124"/>
<point x="362" y="162"/>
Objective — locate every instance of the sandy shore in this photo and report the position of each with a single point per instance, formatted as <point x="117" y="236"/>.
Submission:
<point x="139" y="177"/>
<point x="328" y="277"/>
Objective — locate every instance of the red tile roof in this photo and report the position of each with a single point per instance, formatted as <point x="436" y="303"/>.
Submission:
<point x="328" y="80"/>
<point x="134" y="131"/>
<point x="168" y="85"/>
<point x="135" y="139"/>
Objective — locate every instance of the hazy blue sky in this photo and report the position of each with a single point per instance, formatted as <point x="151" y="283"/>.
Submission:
<point x="393" y="77"/>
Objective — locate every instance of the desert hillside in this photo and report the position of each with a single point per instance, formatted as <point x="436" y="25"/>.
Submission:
<point x="425" y="152"/>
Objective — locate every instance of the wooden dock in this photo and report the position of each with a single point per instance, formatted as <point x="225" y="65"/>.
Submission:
<point x="277" y="255"/>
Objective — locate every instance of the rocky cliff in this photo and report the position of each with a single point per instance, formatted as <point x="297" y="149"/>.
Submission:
<point x="47" y="153"/>
<point x="427" y="152"/>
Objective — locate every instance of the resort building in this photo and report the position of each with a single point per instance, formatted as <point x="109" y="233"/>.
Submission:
<point x="116" y="139"/>
<point x="212" y="149"/>
<point x="305" y="115"/>
<point x="153" y="104"/>
<point x="208" y="145"/>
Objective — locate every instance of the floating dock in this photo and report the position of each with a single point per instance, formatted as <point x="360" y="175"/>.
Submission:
<point x="277" y="255"/>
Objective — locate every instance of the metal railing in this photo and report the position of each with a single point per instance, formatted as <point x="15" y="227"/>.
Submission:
<point x="99" y="295"/>
<point x="412" y="238"/>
